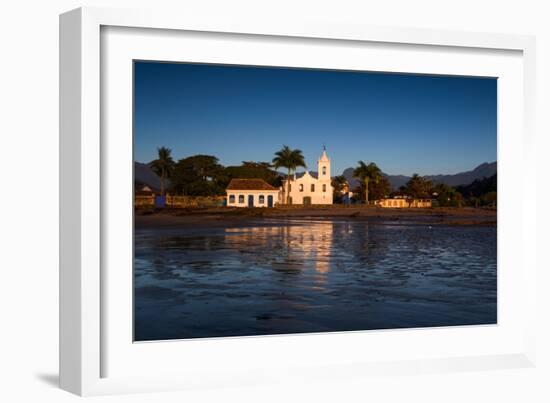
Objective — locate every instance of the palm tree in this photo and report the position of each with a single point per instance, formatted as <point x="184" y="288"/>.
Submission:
<point x="163" y="166"/>
<point x="367" y="173"/>
<point x="289" y="159"/>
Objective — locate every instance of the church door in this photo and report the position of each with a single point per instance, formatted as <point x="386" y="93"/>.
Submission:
<point x="307" y="201"/>
<point x="269" y="201"/>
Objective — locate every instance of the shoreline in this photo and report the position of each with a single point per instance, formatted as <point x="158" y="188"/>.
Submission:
<point x="242" y="217"/>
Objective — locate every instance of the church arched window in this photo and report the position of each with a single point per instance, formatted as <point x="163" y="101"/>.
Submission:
<point x="313" y="187"/>
<point x="324" y="170"/>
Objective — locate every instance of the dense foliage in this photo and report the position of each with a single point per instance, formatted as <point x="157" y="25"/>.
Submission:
<point x="481" y="192"/>
<point x="339" y="185"/>
<point x="203" y="175"/>
<point x="256" y="170"/>
<point x="198" y="175"/>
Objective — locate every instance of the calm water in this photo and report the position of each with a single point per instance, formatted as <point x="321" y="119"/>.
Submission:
<point x="294" y="276"/>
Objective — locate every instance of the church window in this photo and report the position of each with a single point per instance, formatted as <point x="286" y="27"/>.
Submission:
<point x="324" y="188"/>
<point x="313" y="187"/>
<point x="241" y="199"/>
<point x="324" y="170"/>
<point x="301" y="187"/>
<point x="261" y="199"/>
<point x="232" y="199"/>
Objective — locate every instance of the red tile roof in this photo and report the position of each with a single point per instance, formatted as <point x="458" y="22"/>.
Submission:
<point x="249" y="184"/>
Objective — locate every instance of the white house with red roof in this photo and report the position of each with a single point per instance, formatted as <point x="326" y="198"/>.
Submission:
<point x="251" y="193"/>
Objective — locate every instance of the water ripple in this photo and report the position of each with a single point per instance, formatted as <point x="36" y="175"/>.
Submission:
<point x="288" y="276"/>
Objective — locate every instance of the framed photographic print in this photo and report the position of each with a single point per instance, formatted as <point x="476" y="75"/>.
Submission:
<point x="236" y="197"/>
<point x="272" y="238"/>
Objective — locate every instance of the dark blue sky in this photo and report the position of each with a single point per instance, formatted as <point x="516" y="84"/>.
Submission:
<point x="404" y="123"/>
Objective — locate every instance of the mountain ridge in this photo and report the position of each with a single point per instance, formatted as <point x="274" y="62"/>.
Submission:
<point x="483" y="170"/>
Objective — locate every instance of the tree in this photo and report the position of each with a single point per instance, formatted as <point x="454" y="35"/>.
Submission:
<point x="479" y="187"/>
<point x="289" y="159"/>
<point x="163" y="166"/>
<point x="490" y="199"/>
<point x="205" y="166"/>
<point x="339" y="184"/>
<point x="367" y="173"/>
<point x="480" y="191"/>
<point x="379" y="189"/>
<point x="199" y="175"/>
<point x="417" y="187"/>
<point x="444" y="194"/>
<point x="251" y="170"/>
<point x="458" y="199"/>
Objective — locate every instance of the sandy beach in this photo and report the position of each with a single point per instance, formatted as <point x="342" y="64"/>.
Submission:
<point x="214" y="217"/>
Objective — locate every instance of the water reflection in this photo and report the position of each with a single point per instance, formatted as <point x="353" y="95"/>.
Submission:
<point x="299" y="246"/>
<point x="285" y="276"/>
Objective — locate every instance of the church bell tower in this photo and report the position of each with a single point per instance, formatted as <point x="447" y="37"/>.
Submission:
<point x="323" y="166"/>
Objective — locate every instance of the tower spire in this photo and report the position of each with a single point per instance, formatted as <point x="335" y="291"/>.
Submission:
<point x="323" y="165"/>
<point x="324" y="156"/>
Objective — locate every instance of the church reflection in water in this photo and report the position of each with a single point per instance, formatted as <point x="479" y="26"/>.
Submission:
<point x="302" y="246"/>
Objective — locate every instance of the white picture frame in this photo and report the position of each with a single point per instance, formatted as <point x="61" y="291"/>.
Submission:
<point x="88" y="336"/>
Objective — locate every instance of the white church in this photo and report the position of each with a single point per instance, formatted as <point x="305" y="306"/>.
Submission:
<point x="310" y="188"/>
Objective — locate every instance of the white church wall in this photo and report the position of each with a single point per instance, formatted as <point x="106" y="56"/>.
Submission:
<point x="318" y="190"/>
<point x="239" y="198"/>
<point x="321" y="193"/>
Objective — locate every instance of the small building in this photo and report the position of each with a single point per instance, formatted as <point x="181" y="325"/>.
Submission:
<point x="421" y="203"/>
<point x="311" y="188"/>
<point x="402" y="202"/>
<point x="251" y="193"/>
<point x="144" y="189"/>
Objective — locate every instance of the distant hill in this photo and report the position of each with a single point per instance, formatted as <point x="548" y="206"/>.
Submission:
<point x="484" y="170"/>
<point x="145" y="175"/>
